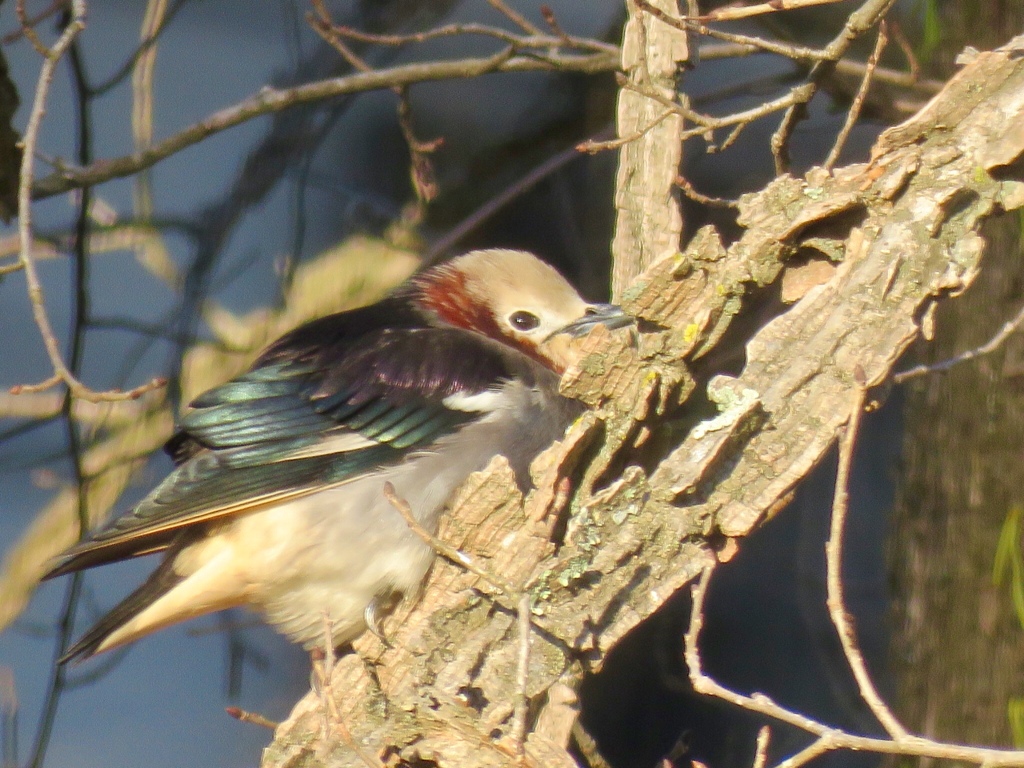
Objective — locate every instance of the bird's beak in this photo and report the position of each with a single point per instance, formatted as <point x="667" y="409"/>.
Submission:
<point x="611" y="316"/>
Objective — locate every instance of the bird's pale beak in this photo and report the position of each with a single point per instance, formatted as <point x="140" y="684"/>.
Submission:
<point x="611" y="316"/>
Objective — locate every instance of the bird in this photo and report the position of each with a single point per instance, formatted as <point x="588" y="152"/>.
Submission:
<point x="276" y="501"/>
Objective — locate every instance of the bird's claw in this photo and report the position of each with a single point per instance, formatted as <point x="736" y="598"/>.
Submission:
<point x="374" y="613"/>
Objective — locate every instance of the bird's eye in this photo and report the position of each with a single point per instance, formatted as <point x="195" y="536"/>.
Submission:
<point x="523" y="320"/>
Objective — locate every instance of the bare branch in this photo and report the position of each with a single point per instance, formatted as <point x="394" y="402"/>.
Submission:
<point x="698" y="197"/>
<point x="443" y="548"/>
<point x="517" y="188"/>
<point x="593" y="146"/>
<point x="331" y="718"/>
<point x="27" y="25"/>
<point x="828" y="738"/>
<point x="422" y="172"/>
<point x="834" y="574"/>
<point x="245" y="716"/>
<point x="537" y="41"/>
<point x="764" y="736"/>
<point x="517" y="18"/>
<point x="552" y="22"/>
<point x="858" y="100"/>
<point x="62" y="374"/>
<point x="732" y="13"/>
<point x="858" y="22"/>
<point x="688" y="24"/>
<point x="1008" y="328"/>
<point x="270" y="100"/>
<point x="28" y="30"/>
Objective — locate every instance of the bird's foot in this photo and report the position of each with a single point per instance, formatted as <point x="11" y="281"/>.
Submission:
<point x="374" y="614"/>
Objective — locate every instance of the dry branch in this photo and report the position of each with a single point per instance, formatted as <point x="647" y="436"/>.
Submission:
<point x="270" y="100"/>
<point x="904" y="230"/>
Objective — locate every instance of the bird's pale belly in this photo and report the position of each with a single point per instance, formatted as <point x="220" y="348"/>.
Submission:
<point x="324" y="558"/>
<point x="334" y="552"/>
<point x="337" y="550"/>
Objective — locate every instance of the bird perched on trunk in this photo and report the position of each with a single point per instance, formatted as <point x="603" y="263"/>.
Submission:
<point x="276" y="502"/>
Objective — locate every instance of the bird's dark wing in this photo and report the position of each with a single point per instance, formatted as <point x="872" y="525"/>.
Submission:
<point x="309" y="415"/>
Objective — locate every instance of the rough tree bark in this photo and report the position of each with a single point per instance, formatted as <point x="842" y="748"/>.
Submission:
<point x="901" y="234"/>
<point x="648" y="219"/>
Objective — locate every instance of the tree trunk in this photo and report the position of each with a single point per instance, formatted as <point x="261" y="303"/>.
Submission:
<point x="958" y="648"/>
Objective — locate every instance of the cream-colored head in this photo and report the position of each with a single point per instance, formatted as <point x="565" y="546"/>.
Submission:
<point x="516" y="298"/>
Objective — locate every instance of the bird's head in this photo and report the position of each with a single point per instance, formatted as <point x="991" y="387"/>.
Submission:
<point x="515" y="298"/>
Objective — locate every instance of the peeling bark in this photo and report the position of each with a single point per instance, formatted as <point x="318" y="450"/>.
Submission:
<point x="904" y="229"/>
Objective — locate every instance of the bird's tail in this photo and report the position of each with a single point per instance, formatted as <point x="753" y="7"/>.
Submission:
<point x="158" y="584"/>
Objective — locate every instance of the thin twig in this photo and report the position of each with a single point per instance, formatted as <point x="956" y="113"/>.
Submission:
<point x="742" y="119"/>
<point x="29" y="23"/>
<point x="858" y="100"/>
<point x="522" y="675"/>
<point x="443" y="548"/>
<point x="908" y="50"/>
<point x="255" y="718"/>
<point x="40" y="386"/>
<point x="592" y="147"/>
<point x="698" y="197"/>
<point x="848" y="68"/>
<point x="128" y="66"/>
<point x="908" y="80"/>
<point x="831" y="738"/>
<point x="733" y="12"/>
<point x="987" y="348"/>
<point x="734" y="134"/>
<point x="670" y="104"/>
<point x="857" y="23"/>
<point x="522" y="42"/>
<point x="269" y="100"/>
<point x="523" y="611"/>
<point x="48" y="406"/>
<point x="552" y="22"/>
<point x="323" y="671"/>
<point x="764" y="737"/>
<point x="515" y="17"/>
<point x="834" y="574"/>
<point x="51" y="56"/>
<point x="514" y="190"/>
<point x="817" y="747"/>
<point x="423" y="177"/>
<point x="745" y="45"/>
<point x="28" y="29"/>
<point x="320" y="21"/>
<point x="685" y="24"/>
